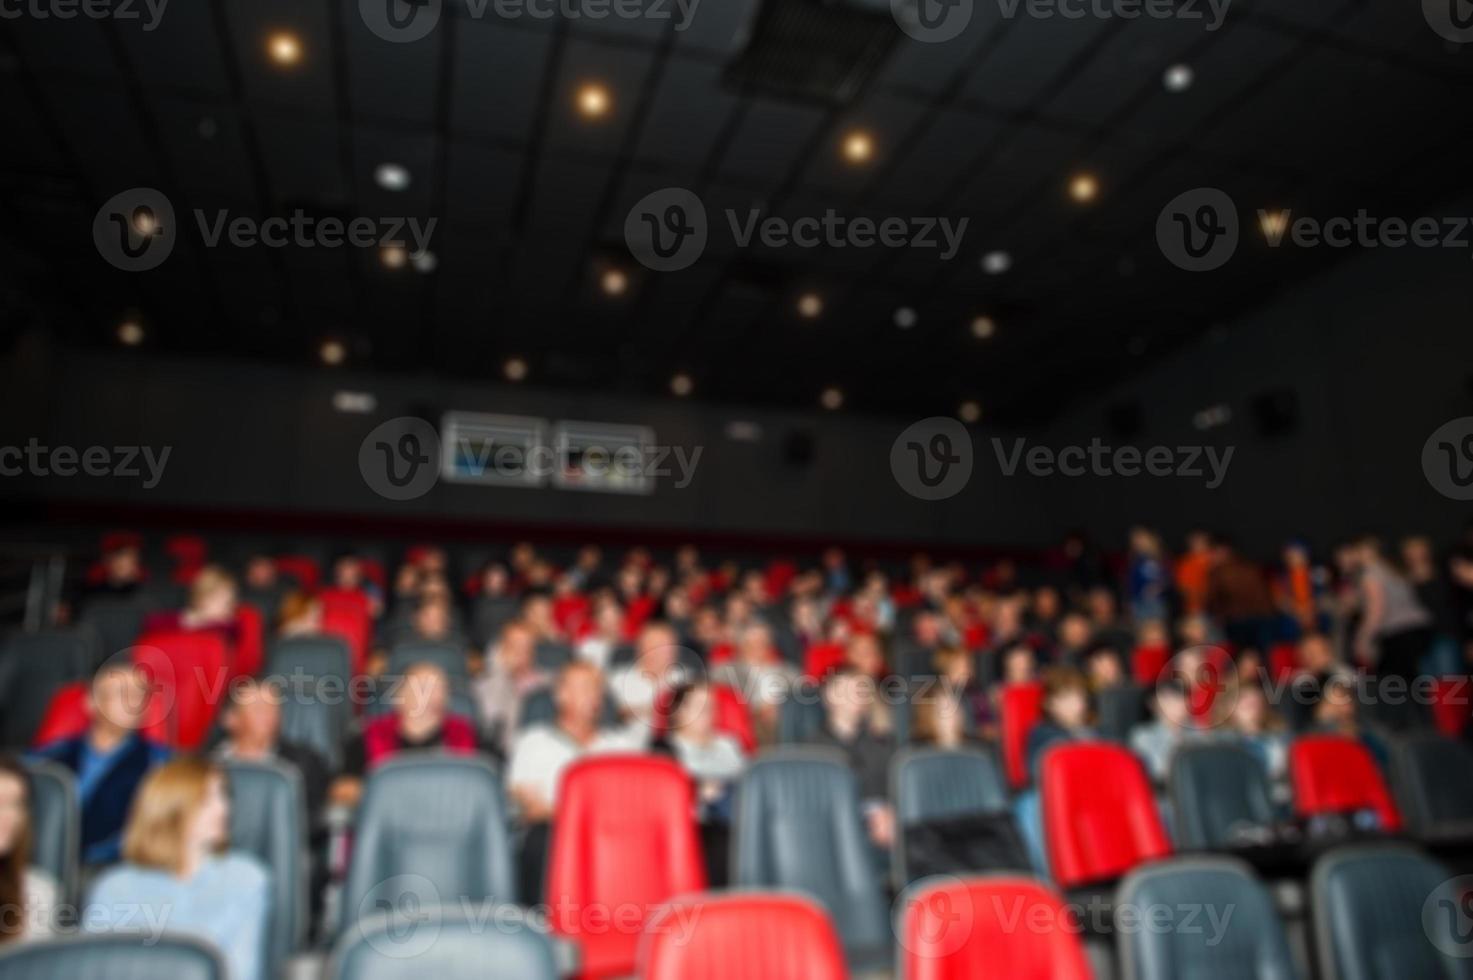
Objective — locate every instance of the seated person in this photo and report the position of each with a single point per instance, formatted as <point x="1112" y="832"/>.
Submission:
<point x="713" y="758"/>
<point x="956" y="668"/>
<point x="298" y="615"/>
<point x="857" y="723"/>
<point x="110" y="759"/>
<point x="348" y="575"/>
<point x="178" y="874"/>
<point x="1252" y="719"/>
<point x="122" y="573"/>
<point x="1104" y="669"/>
<point x="1065" y="714"/>
<point x="656" y="671"/>
<point x="1156" y="740"/>
<point x="433" y="622"/>
<point x="251" y="721"/>
<point x="941" y="722"/>
<point x="1337" y="713"/>
<point x="420" y="719"/>
<point x="28" y="895"/>
<point x="211" y="608"/>
<point x="512" y="674"/>
<point x="758" y="671"/>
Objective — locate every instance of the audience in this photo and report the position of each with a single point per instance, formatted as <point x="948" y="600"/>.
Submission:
<point x="251" y="722"/>
<point x="211" y="607"/>
<point x="638" y="688"/>
<point x="28" y="895"/>
<point x="1066" y="714"/>
<point x="1172" y="724"/>
<point x="713" y="758"/>
<point x="761" y="675"/>
<point x="857" y="723"/>
<point x="510" y="676"/>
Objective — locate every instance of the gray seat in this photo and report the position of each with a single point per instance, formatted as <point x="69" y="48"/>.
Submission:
<point x="434" y="826"/>
<point x="112" y="957"/>
<point x="33" y="667"/>
<point x="936" y="784"/>
<point x="1215" y="788"/>
<point x="268" y="820"/>
<point x="1219" y="924"/>
<point x="56" y="825"/>
<point x="317" y="711"/>
<point x="1433" y="778"/>
<point x="1388" y="912"/>
<point x="447" y="656"/>
<point x="797" y="827"/>
<point x="116" y="622"/>
<point x="538" y="708"/>
<point x="444" y="944"/>
<point x="1118" y="709"/>
<point x="800" y="716"/>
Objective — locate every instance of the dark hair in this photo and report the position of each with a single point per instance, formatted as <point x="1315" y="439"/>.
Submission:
<point x="13" y="865"/>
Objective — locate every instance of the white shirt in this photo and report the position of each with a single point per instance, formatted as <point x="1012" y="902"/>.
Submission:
<point x="720" y="761"/>
<point x="39" y="901"/>
<point x="542" y="752"/>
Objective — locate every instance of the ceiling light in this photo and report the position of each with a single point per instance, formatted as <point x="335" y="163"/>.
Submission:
<point x="905" y="318"/>
<point x="130" y="333"/>
<point x="392" y="176"/>
<point x="594" y="100"/>
<point x="1273" y="224"/>
<point x="333" y="352"/>
<point x="682" y="384"/>
<point x="424" y="261"/>
<point x="393" y="256"/>
<point x="810" y="305"/>
<point x="515" y="369"/>
<point x="1178" y="78"/>
<point x="144" y="222"/>
<point x="997" y="262"/>
<point x="614" y="282"/>
<point x="969" y="412"/>
<point x="832" y="399"/>
<point x="285" y="48"/>
<point x="1084" y="188"/>
<point x="983" y="327"/>
<point x="859" y="147"/>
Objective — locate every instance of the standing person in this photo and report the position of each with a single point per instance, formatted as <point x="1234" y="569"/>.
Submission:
<point x="1238" y="596"/>
<point x="1147" y="579"/>
<point x="1395" y="631"/>
<point x="179" y="873"/>
<point x="27" y="894"/>
<point x="1192" y="570"/>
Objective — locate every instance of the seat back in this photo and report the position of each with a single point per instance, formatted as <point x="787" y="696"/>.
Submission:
<point x="1209" y="918"/>
<point x="538" y="708"/>
<point x="1099" y="813"/>
<point x="797" y="827"/>
<point x="116" y="621"/>
<point x="33" y="668"/>
<point x="188" y="674"/>
<point x="1118" y="709"/>
<point x="315" y="673"/>
<point x="56" y="824"/>
<point x="968" y="929"/>
<point x="112" y="957"/>
<point x="624" y="837"/>
<point x="448" y="657"/>
<point x="1021" y="707"/>
<point x="305" y="569"/>
<point x="1214" y="788"/>
<point x="800" y="716"/>
<point x="444" y="943"/>
<point x="1434" y="786"/>
<point x="346" y="614"/>
<point x="1386" y="912"/>
<point x="250" y="649"/>
<point x="268" y="819"/>
<point x="733" y="717"/>
<point x="711" y="936"/>
<point x="66" y="716"/>
<point x="937" y="784"/>
<point x="1336" y="774"/>
<point x="437" y="819"/>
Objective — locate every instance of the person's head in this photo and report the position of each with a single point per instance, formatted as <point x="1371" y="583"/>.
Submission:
<point x="118" y="698"/>
<point x="1143" y="541"/>
<point x="432" y="618"/>
<point x="864" y="654"/>
<point x="929" y="629"/>
<point x="954" y="665"/>
<point x="15" y="846"/>
<point x="754" y="644"/>
<point x="608" y="619"/>
<point x="495" y="581"/>
<point x="1075" y="631"/>
<point x="1296" y="554"/>
<point x="1194" y="631"/>
<point x="424" y="699"/>
<point x="848" y="697"/>
<point x="1417" y="555"/>
<point x="122" y="565"/>
<point x="1251" y="713"/>
<point x="1007" y="618"/>
<point x="252" y="716"/>
<point x="1046" y="604"/>
<point x="1172" y="703"/>
<point x="1066" y="697"/>
<point x="517" y="651"/>
<point x="1336" y="706"/>
<point x="579" y="695"/>
<point x="1104" y="668"/>
<point x="656" y="650"/>
<point x="1152" y="633"/>
<point x="692" y="712"/>
<point x="299" y="613"/>
<point x="260" y="573"/>
<point x="1316" y="654"/>
<point x="1199" y="542"/>
<point x="1367" y="551"/>
<point x="939" y="720"/>
<point x="1019" y="665"/>
<point x="180" y="813"/>
<point x="537" y="613"/>
<point x="212" y="594"/>
<point x="1101" y="602"/>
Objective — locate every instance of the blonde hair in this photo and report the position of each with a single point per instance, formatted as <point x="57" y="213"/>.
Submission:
<point x="207" y="581"/>
<point x="166" y="804"/>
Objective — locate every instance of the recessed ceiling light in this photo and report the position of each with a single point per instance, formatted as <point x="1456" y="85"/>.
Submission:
<point x="285" y="48"/>
<point x="594" y="100"/>
<point x="1273" y="224"/>
<point x="969" y="412"/>
<point x="682" y="384"/>
<point x="130" y="333"/>
<point x="392" y="176"/>
<point x="614" y="282"/>
<point x="393" y="256"/>
<point x="1084" y="188"/>
<point x="996" y="262"/>
<point x="515" y="369"/>
<point x="333" y="352"/>
<point x="1178" y="78"/>
<point x="144" y="222"/>
<point x="810" y="306"/>
<point x="424" y="261"/>
<point x="832" y="399"/>
<point x="905" y="318"/>
<point x="983" y="327"/>
<point x="859" y="147"/>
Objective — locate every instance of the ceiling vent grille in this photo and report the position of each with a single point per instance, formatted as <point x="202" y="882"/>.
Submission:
<point x="814" y="50"/>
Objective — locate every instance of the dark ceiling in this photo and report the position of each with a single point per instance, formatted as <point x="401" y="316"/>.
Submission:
<point x="1322" y="106"/>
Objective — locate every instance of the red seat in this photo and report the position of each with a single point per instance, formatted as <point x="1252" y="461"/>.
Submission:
<point x="821" y="658"/>
<point x="733" y="718"/>
<point x="1450" y="705"/>
<point x="250" y="645"/>
<point x="1021" y="708"/>
<point x="1283" y="660"/>
<point x="1099" y="813"/>
<point x="623" y="844"/>
<point x="1336" y="774"/>
<point x="720" y="936"/>
<point x="996" y="926"/>
<point x="347" y="613"/>
<point x="300" y="567"/>
<point x="1148" y="663"/>
<point x="187" y="676"/>
<point x="66" y="716"/>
